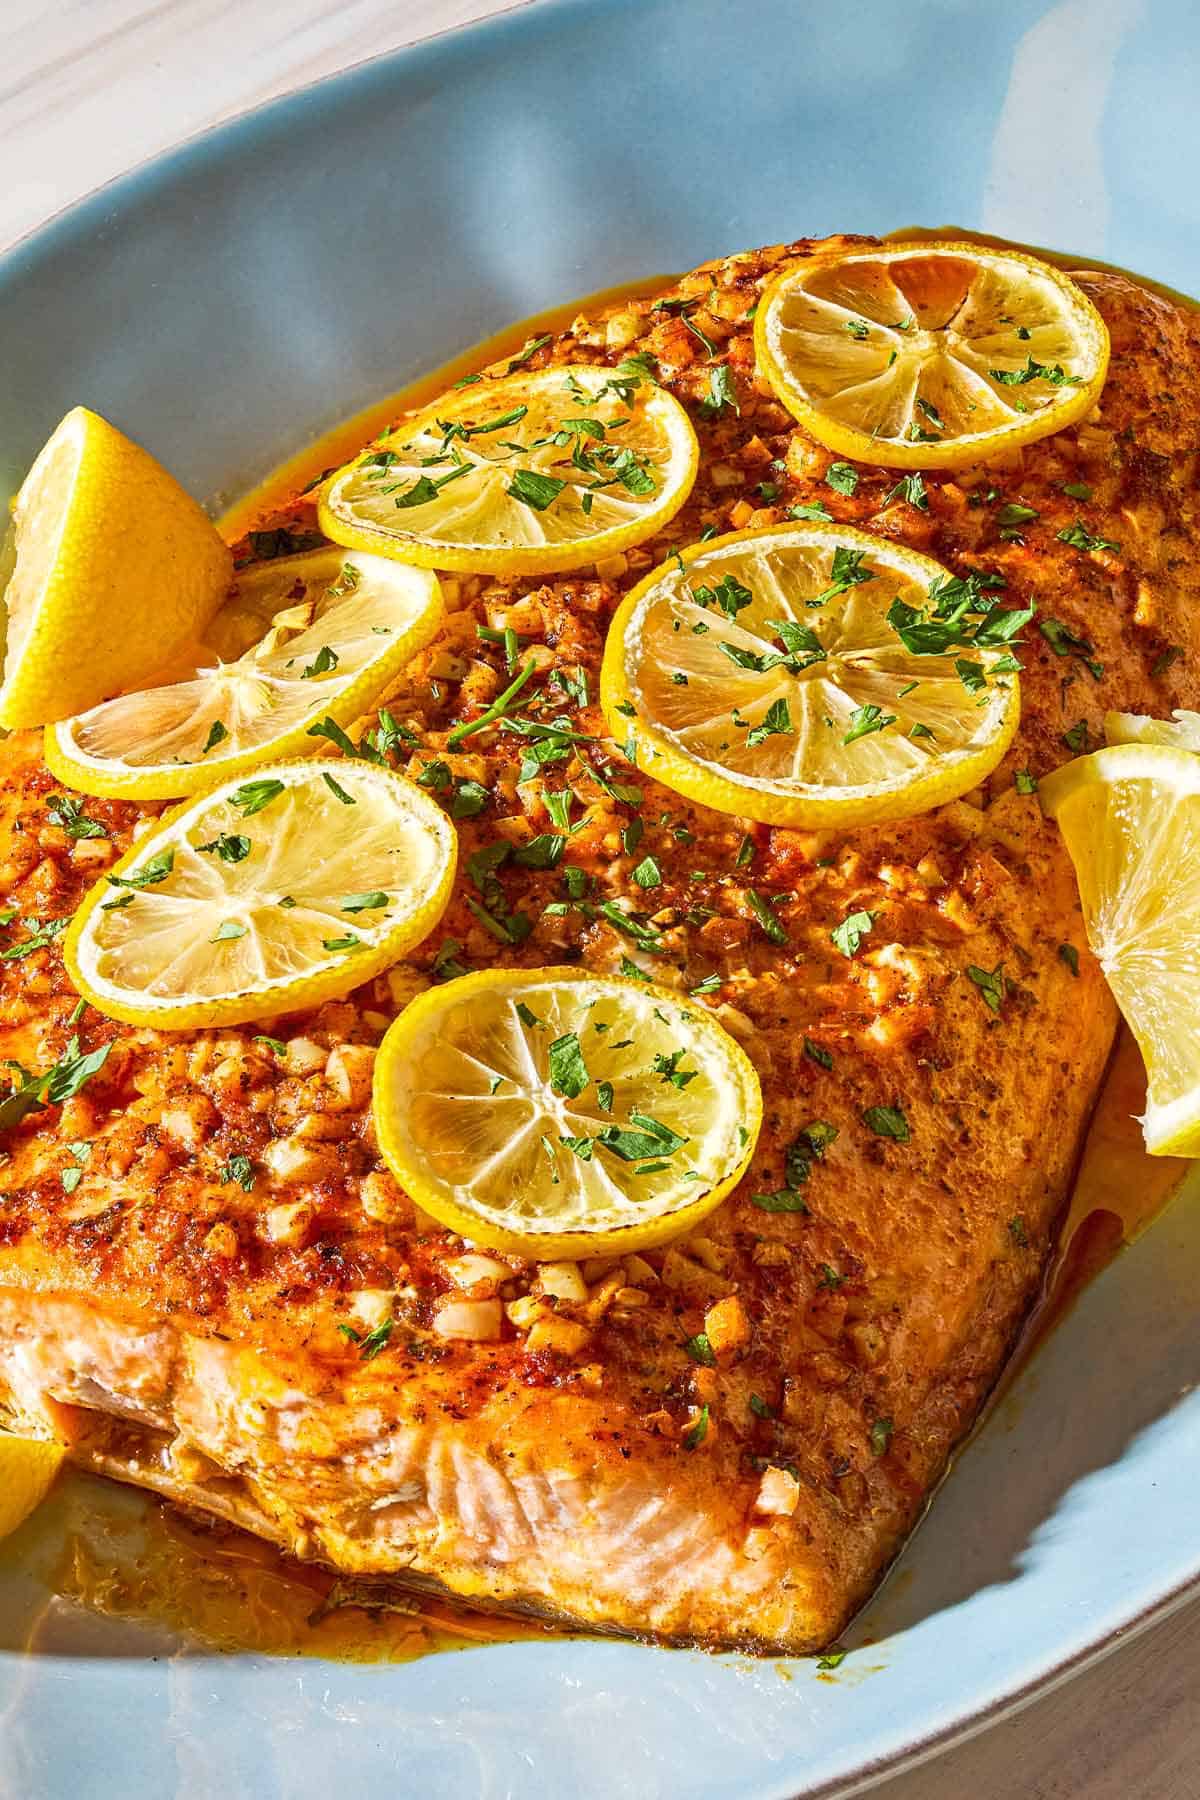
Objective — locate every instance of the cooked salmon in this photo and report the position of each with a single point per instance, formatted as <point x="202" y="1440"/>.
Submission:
<point x="210" y="1285"/>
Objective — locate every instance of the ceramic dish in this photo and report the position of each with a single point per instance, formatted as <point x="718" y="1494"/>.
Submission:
<point x="231" y="302"/>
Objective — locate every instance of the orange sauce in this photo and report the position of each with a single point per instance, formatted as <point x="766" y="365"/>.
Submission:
<point x="1119" y="1190"/>
<point x="126" y="1556"/>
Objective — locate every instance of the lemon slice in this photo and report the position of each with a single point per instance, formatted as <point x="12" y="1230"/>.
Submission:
<point x="930" y="355"/>
<point x="534" y="472"/>
<point x="1130" y="816"/>
<point x="561" y="1114"/>
<point x="797" y="675"/>
<point x="109" y="569"/>
<point x="269" y="893"/>
<point x="330" y="632"/>
<point x="27" y="1468"/>
<point x="1182" y="729"/>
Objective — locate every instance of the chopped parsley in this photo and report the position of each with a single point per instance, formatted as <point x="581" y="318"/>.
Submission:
<point x="887" y="1121"/>
<point x="231" y="847"/>
<point x="847" y="937"/>
<point x="54" y="1085"/>
<point x="842" y="477"/>
<point x="568" y="1071"/>
<point x="694" y="1437"/>
<point x="722" y="395"/>
<point x="766" y="917"/>
<point x="1081" y="538"/>
<point x="534" y="489"/>
<point x="253" y="796"/>
<point x="1034" y="371"/>
<point x="238" y="1169"/>
<point x="67" y="812"/>
<point x="154" y="871"/>
<point x="1069" y="954"/>
<point x="991" y="983"/>
<point x="323" y="663"/>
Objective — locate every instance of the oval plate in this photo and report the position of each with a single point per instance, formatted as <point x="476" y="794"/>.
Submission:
<point x="321" y="252"/>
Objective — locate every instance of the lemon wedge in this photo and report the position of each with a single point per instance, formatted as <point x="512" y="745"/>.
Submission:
<point x="556" y="1113"/>
<point x="27" y="1468"/>
<point x="930" y="355"/>
<point x="812" y="675"/>
<point x="269" y="893"/>
<point x="1182" y="729"/>
<point x="543" y="470"/>
<point x="1130" y="816"/>
<point x="329" y="631"/>
<point x="110" y="567"/>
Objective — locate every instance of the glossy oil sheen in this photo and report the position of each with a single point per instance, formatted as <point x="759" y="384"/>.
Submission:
<point x="237" y="300"/>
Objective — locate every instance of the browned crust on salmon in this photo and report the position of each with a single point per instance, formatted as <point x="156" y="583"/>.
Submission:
<point x="562" y="1469"/>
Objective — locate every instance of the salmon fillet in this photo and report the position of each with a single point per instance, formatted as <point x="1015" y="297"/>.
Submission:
<point x="210" y="1285"/>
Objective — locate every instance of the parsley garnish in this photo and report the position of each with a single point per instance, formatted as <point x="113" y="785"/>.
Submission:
<point x="765" y="915"/>
<point x="887" y="1121"/>
<point x="1069" y="954"/>
<point x="722" y="395"/>
<point x="156" y="870"/>
<point x="568" y="1071"/>
<point x="1034" y="371"/>
<point x="866" y="719"/>
<point x="230" y="847"/>
<point x="698" y="1432"/>
<point x="850" y="934"/>
<point x="842" y="477"/>
<point x="253" y="796"/>
<point x="65" y="811"/>
<point x="1081" y="538"/>
<point x="72" y="1071"/>
<point x="239" y="1169"/>
<point x="534" y="489"/>
<point x="323" y="663"/>
<point x="991" y="984"/>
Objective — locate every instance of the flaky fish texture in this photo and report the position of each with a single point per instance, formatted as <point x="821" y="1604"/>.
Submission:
<point x="725" y="1440"/>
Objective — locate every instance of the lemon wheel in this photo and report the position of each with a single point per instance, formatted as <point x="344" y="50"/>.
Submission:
<point x="327" y="633"/>
<point x="109" y="568"/>
<point x="27" y="1469"/>
<point x="522" y="476"/>
<point x="1130" y="816"/>
<point x="812" y="675"/>
<point x="272" y="892"/>
<point x="930" y="355"/>
<point x="557" y="1113"/>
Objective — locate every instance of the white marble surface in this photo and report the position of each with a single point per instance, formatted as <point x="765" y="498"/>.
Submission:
<point x="91" y="88"/>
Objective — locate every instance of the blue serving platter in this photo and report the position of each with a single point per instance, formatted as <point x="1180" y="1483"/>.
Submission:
<point x="233" y="301"/>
